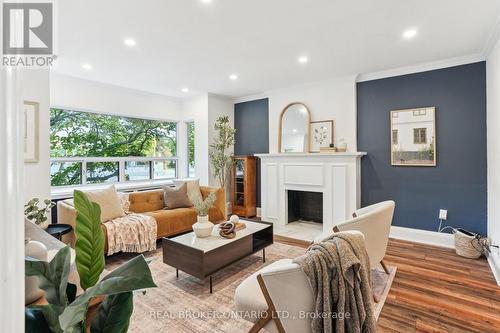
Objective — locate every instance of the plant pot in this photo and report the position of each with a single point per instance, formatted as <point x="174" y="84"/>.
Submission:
<point x="38" y="251"/>
<point x="203" y="228"/>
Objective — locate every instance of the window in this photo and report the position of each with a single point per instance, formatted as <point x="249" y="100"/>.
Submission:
<point x="190" y="146"/>
<point x="92" y="148"/>
<point x="420" y="135"/>
<point x="419" y="113"/>
<point x="394" y="137"/>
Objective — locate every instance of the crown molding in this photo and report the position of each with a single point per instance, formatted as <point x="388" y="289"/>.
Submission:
<point x="492" y="39"/>
<point x="451" y="62"/>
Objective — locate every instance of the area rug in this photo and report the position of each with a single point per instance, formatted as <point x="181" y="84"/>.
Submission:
<point x="185" y="304"/>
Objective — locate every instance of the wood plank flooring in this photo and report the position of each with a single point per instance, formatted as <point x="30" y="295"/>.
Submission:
<point x="435" y="290"/>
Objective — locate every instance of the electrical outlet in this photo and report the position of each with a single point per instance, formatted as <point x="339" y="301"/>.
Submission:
<point x="443" y="214"/>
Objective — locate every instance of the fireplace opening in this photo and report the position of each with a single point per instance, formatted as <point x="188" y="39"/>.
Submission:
<point x="305" y="206"/>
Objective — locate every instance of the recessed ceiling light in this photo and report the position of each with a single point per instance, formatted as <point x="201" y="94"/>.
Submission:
<point x="410" y="33"/>
<point x="185" y="90"/>
<point x="87" y="67"/>
<point x="129" y="42"/>
<point x="233" y="77"/>
<point x="206" y="1"/>
<point x="303" y="60"/>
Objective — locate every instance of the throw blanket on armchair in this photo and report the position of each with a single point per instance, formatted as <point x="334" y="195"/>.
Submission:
<point x="131" y="233"/>
<point x="339" y="272"/>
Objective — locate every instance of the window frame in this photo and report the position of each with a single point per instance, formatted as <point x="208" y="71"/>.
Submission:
<point x="121" y="160"/>
<point x="419" y="131"/>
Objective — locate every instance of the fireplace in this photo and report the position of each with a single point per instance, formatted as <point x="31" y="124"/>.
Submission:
<point x="305" y="206"/>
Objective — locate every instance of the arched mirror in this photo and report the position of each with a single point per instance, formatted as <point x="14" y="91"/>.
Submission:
<point x="294" y="129"/>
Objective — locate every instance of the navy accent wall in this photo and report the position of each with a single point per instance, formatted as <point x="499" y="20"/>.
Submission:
<point x="458" y="183"/>
<point x="251" y="120"/>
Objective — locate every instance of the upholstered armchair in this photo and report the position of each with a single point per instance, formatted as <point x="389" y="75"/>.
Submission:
<point x="277" y="298"/>
<point x="374" y="222"/>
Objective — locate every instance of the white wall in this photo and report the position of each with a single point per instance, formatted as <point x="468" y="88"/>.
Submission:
<point x="35" y="88"/>
<point x="333" y="99"/>
<point x="196" y="109"/>
<point x="66" y="91"/>
<point x="218" y="106"/>
<point x="493" y="126"/>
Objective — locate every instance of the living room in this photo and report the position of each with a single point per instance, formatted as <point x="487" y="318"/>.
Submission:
<point x="235" y="166"/>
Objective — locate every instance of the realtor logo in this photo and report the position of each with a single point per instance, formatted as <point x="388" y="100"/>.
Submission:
<point x="28" y="29"/>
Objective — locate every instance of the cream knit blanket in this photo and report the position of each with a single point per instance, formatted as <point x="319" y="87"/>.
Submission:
<point x="131" y="233"/>
<point x="338" y="270"/>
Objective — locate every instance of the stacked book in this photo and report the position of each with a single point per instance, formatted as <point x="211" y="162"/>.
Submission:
<point x="327" y="149"/>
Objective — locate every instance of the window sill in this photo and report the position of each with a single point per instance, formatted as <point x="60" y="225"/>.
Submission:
<point x="67" y="192"/>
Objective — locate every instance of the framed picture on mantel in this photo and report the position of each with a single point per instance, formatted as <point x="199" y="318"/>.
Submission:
<point x="413" y="137"/>
<point x="321" y="135"/>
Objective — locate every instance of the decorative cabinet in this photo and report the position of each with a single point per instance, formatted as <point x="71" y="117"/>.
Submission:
<point x="244" y="179"/>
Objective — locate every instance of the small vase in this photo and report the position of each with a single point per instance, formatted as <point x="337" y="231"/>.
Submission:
<point x="342" y="146"/>
<point x="203" y="228"/>
<point x="38" y="251"/>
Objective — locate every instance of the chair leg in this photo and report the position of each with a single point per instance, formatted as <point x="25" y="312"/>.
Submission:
<point x="384" y="266"/>
<point x="259" y="324"/>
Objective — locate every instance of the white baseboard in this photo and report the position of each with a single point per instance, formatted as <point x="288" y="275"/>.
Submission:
<point x="423" y="236"/>
<point x="494" y="261"/>
<point x="259" y="212"/>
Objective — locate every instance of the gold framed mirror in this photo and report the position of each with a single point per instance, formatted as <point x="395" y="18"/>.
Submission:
<point x="294" y="135"/>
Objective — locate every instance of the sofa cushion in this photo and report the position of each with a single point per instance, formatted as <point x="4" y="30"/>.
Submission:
<point x="146" y="201"/>
<point x="193" y="188"/>
<point x="176" y="197"/>
<point x="173" y="221"/>
<point x="109" y="202"/>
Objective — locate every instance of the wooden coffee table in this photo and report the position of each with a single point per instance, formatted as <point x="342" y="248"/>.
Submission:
<point x="202" y="257"/>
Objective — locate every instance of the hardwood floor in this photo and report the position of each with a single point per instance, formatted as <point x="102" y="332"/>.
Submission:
<point x="435" y="290"/>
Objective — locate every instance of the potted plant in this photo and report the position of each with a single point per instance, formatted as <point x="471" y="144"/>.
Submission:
<point x="203" y="228"/>
<point x="106" y="304"/>
<point x="37" y="214"/>
<point x="220" y="153"/>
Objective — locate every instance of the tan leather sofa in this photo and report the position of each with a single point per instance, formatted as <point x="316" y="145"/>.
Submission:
<point x="170" y="221"/>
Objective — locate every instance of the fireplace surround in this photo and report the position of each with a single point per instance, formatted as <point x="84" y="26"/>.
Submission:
<point x="335" y="175"/>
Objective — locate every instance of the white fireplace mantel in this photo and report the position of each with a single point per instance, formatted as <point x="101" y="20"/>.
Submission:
<point x="336" y="175"/>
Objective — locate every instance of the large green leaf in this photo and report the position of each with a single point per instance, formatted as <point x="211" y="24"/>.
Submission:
<point x="114" y="314"/>
<point x="133" y="275"/>
<point x="89" y="240"/>
<point x="53" y="276"/>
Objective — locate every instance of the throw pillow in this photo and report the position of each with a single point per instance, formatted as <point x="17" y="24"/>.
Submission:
<point x="176" y="197"/>
<point x="193" y="188"/>
<point x="109" y="202"/>
<point x="124" y="201"/>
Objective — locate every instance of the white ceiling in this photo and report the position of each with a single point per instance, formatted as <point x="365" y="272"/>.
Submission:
<point x="186" y="43"/>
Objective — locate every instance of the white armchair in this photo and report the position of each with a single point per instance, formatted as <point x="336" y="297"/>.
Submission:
<point x="374" y="222"/>
<point x="277" y="298"/>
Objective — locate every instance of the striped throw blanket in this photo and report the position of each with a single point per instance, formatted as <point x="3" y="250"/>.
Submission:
<point x="131" y="233"/>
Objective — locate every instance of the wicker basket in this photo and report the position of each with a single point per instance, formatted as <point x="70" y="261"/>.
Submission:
<point x="467" y="244"/>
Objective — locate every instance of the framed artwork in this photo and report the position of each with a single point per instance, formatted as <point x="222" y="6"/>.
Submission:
<point x="321" y="134"/>
<point x="30" y="129"/>
<point x="413" y="137"/>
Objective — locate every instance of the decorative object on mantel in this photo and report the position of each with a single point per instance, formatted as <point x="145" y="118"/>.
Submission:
<point x="294" y="132"/>
<point x="35" y="250"/>
<point x="203" y="228"/>
<point x="330" y="149"/>
<point x="321" y="135"/>
<point x="342" y="146"/>
<point x="36" y="214"/>
<point x="31" y="131"/>
<point x="413" y="137"/>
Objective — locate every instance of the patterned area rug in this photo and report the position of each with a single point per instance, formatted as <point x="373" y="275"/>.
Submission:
<point x="185" y="304"/>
